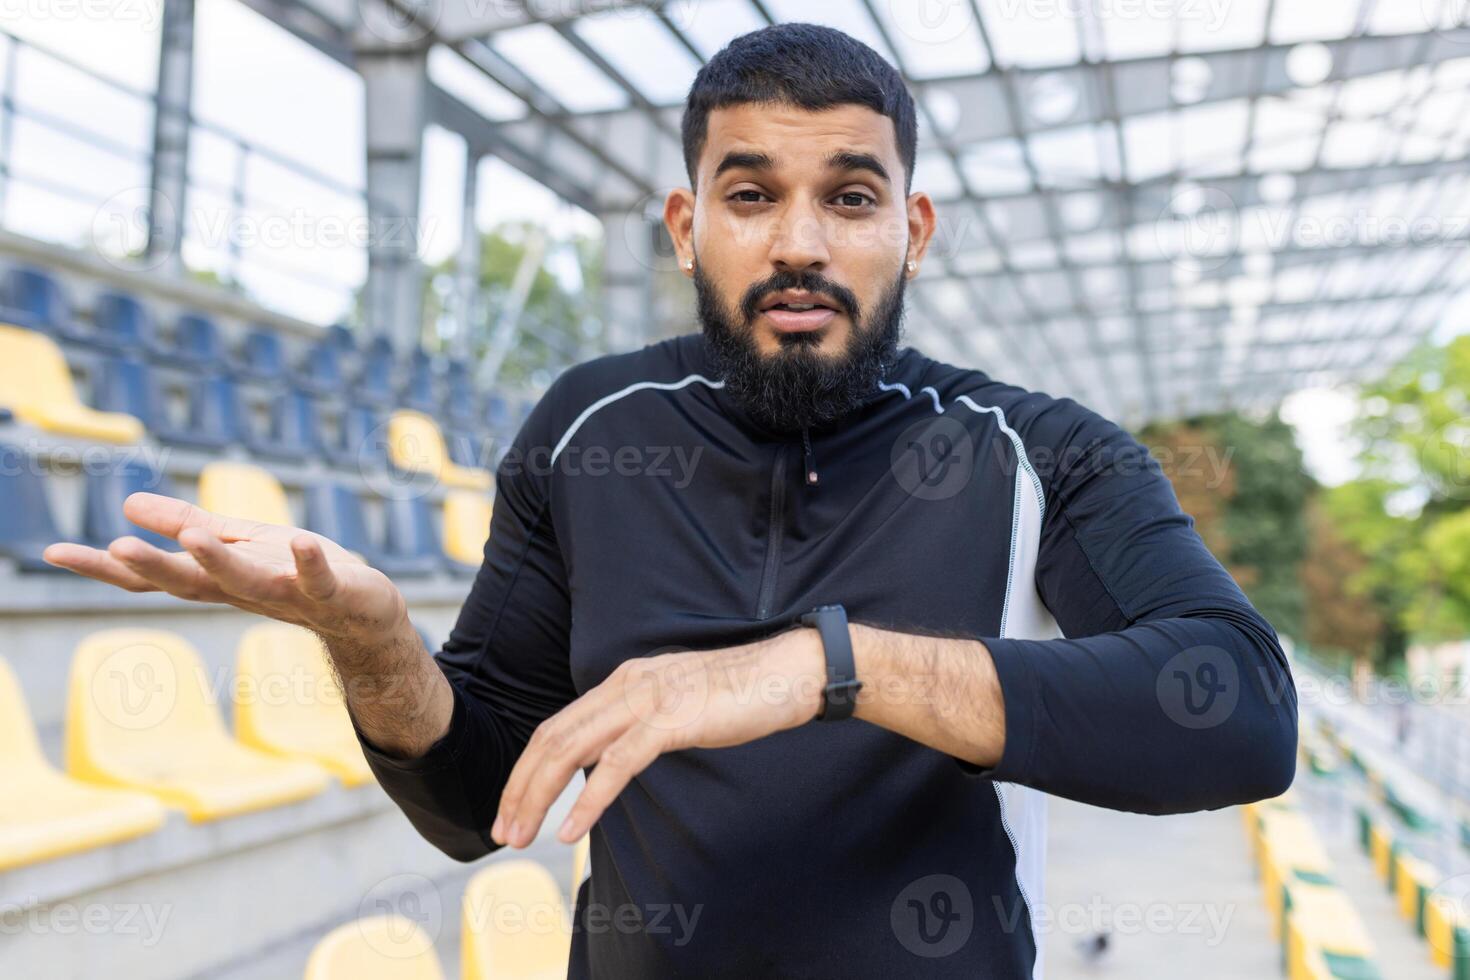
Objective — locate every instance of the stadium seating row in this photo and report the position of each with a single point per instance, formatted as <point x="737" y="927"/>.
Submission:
<point x="514" y="926"/>
<point x="37" y="388"/>
<point x="1434" y="913"/>
<point x="1321" y="934"/>
<point x="334" y="365"/>
<point x="144" y="733"/>
<point x="409" y="546"/>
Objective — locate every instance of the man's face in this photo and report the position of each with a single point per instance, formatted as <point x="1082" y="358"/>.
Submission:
<point x="801" y="238"/>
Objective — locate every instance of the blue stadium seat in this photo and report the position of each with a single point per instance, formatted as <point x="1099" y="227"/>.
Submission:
<point x="262" y="356"/>
<point x="197" y="343"/>
<point x="334" y="510"/>
<point x="126" y="384"/>
<point x="498" y="415"/>
<point x="461" y="407"/>
<point x="342" y="337"/>
<point x="214" y="415"/>
<point x="418" y="390"/>
<point x="321" y="371"/>
<point x="362" y="440"/>
<point x="104" y="520"/>
<point x="120" y="318"/>
<point x="375" y="381"/>
<point x="295" y="432"/>
<point x="40" y="299"/>
<point x="26" y="523"/>
<point x="466" y="448"/>
<point x="410" y="546"/>
<point x="10" y="311"/>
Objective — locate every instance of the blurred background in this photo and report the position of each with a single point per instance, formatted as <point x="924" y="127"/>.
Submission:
<point x="312" y="261"/>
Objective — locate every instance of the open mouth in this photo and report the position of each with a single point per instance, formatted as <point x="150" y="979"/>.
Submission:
<point x="796" y="313"/>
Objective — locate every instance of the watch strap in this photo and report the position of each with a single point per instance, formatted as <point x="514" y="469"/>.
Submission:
<point x="839" y="696"/>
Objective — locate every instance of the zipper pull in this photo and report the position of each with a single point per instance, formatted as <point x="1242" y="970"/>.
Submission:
<point x="811" y="460"/>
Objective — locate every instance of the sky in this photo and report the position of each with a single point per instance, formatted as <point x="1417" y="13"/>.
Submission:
<point x="272" y="106"/>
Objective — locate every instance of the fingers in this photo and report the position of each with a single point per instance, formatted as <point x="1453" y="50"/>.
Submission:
<point x="574" y="737"/>
<point x="620" y="763"/>
<point x="314" y="575"/>
<point x="177" y="575"/>
<point x="171" y="516"/>
<point x="98" y="564"/>
<point x="231" y="571"/>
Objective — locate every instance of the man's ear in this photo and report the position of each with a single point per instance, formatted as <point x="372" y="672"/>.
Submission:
<point x="922" y="222"/>
<point x="679" y="220"/>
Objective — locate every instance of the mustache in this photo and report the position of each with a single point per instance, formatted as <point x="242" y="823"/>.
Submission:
<point x="812" y="282"/>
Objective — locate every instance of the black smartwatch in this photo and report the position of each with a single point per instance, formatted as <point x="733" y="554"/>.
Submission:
<point x="839" y="697"/>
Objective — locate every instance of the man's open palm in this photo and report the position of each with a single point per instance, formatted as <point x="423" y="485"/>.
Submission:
<point x="285" y="573"/>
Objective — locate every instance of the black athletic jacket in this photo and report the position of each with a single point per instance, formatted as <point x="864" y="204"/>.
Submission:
<point x="640" y="511"/>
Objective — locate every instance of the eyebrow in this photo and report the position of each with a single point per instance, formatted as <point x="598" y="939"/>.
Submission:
<point x="745" y="161"/>
<point x="841" y="160"/>
<point x="849" y="160"/>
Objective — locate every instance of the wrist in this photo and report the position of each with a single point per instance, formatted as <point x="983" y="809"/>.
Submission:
<point x="804" y="664"/>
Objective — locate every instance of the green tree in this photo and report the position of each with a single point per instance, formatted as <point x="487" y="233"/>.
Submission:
<point x="1243" y="482"/>
<point x="558" y="324"/>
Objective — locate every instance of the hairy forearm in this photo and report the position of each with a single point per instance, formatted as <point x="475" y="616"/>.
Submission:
<point x="395" y="691"/>
<point x="942" y="693"/>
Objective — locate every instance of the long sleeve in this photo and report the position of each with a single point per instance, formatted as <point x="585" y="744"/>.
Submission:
<point x="1169" y="692"/>
<point x="506" y="661"/>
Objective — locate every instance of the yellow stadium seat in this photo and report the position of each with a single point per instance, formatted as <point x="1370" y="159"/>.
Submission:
<point x="1441" y="918"/>
<point x="1412" y="884"/>
<point x="44" y="814"/>
<point x="384" y="947"/>
<point x="416" y="445"/>
<point x="515" y="925"/>
<point x="580" y="857"/>
<point x="288" y="702"/>
<point x="1291" y="854"/>
<point x="1321" y="922"/>
<point x="1381" y="848"/>
<point x="245" y="491"/>
<point x="466" y="525"/>
<point x="140" y="715"/>
<point x="36" y="385"/>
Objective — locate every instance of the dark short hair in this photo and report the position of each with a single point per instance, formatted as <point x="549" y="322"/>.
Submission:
<point x="802" y="65"/>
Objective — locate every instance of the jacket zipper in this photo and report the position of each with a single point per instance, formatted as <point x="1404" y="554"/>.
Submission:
<point x="809" y="458"/>
<point x="773" y="534"/>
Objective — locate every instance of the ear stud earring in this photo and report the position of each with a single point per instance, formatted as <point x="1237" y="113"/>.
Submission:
<point x="912" y="265"/>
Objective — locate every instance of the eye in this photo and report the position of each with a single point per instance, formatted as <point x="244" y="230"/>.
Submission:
<point x="747" y="196"/>
<point x="855" y="199"/>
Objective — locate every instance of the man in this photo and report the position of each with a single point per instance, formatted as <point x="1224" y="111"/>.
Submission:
<point x="663" y="627"/>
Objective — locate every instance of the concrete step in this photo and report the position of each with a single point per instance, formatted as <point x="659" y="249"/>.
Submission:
<point x="1178" y="895"/>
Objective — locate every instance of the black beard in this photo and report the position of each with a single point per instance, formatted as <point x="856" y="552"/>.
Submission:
<point x="798" y="387"/>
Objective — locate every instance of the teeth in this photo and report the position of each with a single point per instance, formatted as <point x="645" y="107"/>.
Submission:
<point x="800" y="307"/>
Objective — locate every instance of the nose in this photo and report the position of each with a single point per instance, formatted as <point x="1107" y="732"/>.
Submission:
<point x="800" y="241"/>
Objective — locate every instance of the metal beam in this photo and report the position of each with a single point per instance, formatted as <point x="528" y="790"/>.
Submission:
<point x="168" y="174"/>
